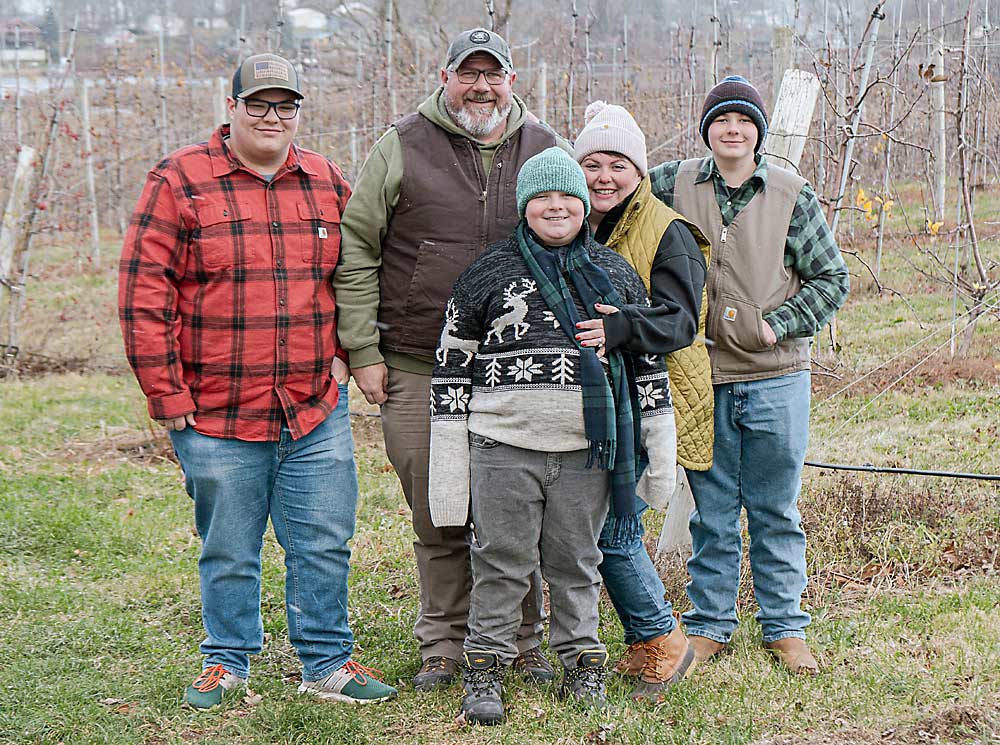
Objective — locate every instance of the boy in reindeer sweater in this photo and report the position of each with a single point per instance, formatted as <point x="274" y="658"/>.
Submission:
<point x="542" y="433"/>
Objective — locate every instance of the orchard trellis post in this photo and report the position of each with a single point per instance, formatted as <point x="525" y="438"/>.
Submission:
<point x="88" y="158"/>
<point x="939" y="141"/>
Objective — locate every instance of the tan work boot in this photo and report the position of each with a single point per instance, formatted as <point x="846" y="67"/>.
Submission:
<point x="705" y="648"/>
<point x="669" y="659"/>
<point x="793" y="653"/>
<point x="631" y="663"/>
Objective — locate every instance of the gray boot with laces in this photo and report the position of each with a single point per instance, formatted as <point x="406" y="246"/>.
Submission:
<point x="585" y="682"/>
<point x="481" y="674"/>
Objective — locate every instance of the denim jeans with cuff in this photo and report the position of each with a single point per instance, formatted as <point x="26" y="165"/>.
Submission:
<point x="761" y="433"/>
<point x="309" y="489"/>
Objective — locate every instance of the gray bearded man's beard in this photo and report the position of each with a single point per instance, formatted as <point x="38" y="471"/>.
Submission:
<point x="478" y="128"/>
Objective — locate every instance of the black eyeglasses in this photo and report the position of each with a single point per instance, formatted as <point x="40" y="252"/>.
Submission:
<point x="257" y="108"/>
<point x="471" y="77"/>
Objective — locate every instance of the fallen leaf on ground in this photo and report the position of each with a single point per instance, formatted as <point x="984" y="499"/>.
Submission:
<point x="252" y="699"/>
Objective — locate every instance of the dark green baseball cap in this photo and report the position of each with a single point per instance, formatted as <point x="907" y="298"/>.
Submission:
<point x="263" y="71"/>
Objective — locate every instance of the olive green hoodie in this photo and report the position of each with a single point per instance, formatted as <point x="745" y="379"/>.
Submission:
<point x="364" y="225"/>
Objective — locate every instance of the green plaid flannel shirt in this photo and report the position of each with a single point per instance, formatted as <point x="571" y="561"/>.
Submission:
<point x="809" y="248"/>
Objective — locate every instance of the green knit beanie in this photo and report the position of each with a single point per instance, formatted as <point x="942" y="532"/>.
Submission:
<point x="551" y="170"/>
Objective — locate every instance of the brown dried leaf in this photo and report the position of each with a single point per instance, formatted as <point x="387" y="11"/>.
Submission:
<point x="252" y="699"/>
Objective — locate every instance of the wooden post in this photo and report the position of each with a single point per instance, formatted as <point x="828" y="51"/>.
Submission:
<point x="390" y="88"/>
<point x="13" y="229"/>
<point x="716" y="22"/>
<point x="88" y="154"/>
<point x="781" y="60"/>
<point x="789" y="127"/>
<point x="161" y="84"/>
<point x="543" y="92"/>
<point x="221" y="108"/>
<point x="888" y="149"/>
<point x="626" y="74"/>
<point x="571" y="76"/>
<point x="17" y="84"/>
<point x="939" y="142"/>
<point x="793" y="114"/>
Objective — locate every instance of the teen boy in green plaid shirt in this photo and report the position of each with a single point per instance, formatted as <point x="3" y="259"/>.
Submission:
<point x="776" y="278"/>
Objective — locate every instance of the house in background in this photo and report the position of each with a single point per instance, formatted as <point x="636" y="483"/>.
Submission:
<point x="21" y="43"/>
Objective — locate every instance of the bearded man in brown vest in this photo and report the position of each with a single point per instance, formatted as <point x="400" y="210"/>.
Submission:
<point x="437" y="188"/>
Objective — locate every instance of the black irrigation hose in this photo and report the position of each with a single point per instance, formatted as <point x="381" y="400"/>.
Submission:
<point x="913" y="471"/>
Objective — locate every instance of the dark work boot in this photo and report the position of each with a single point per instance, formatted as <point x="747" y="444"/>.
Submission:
<point x="482" y="703"/>
<point x="533" y="667"/>
<point x="435" y="672"/>
<point x="585" y="682"/>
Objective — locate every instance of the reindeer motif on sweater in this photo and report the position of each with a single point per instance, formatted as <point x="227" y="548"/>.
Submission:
<point x="518" y="311"/>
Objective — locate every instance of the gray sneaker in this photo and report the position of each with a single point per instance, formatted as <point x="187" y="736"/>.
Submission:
<point x="585" y="682"/>
<point x="482" y="703"/>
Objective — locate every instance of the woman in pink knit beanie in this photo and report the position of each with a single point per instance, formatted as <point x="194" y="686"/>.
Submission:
<point x="670" y="255"/>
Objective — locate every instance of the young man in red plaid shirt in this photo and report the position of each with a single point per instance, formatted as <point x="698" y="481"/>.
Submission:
<point x="229" y="321"/>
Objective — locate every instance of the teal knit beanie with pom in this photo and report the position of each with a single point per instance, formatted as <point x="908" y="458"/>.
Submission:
<point x="551" y="170"/>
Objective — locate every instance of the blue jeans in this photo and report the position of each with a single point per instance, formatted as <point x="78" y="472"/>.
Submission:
<point x="634" y="586"/>
<point x="761" y="433"/>
<point x="309" y="489"/>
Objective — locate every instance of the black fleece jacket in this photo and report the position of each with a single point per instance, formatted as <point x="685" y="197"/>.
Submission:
<point x="676" y="281"/>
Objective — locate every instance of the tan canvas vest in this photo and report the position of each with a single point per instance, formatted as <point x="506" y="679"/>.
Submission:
<point x="636" y="237"/>
<point x="448" y="212"/>
<point x="748" y="277"/>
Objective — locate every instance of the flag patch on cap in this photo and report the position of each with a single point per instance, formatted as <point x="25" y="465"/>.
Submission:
<point x="269" y="69"/>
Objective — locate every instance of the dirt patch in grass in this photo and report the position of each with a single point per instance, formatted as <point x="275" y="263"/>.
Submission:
<point x="952" y="725"/>
<point x="367" y="429"/>
<point x="122" y="444"/>
<point x="27" y="365"/>
<point x="934" y="373"/>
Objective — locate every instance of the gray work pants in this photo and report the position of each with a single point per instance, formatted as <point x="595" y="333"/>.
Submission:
<point x="442" y="553"/>
<point x="532" y="507"/>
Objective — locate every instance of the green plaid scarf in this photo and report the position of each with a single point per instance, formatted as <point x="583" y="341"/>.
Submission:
<point x="610" y="412"/>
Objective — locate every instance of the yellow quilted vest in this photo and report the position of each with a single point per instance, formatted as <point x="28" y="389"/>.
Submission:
<point x="636" y="237"/>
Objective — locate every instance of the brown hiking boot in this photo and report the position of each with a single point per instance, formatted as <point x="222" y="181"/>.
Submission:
<point x="533" y="667"/>
<point x="793" y="653"/>
<point x="435" y="672"/>
<point x="669" y="659"/>
<point x="705" y="648"/>
<point x="630" y="665"/>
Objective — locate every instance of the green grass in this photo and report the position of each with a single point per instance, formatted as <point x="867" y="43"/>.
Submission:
<point x="98" y="564"/>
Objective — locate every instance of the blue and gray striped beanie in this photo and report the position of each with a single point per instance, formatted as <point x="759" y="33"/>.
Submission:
<point x="734" y="93"/>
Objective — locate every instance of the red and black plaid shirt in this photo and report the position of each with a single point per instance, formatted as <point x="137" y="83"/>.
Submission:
<point x="224" y="291"/>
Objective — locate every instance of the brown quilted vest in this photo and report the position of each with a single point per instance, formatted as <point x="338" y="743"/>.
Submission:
<point x="448" y="212"/>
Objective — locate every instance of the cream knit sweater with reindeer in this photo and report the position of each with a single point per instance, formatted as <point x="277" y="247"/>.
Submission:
<point x="506" y="370"/>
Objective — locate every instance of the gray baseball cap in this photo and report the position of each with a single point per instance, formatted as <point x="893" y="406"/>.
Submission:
<point x="478" y="40"/>
<point x="263" y="71"/>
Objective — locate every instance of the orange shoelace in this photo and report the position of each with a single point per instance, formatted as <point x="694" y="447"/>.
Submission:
<point x="209" y="679"/>
<point x="362" y="673"/>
